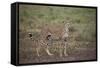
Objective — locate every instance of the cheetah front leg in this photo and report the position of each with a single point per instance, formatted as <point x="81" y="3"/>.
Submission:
<point x="65" y="49"/>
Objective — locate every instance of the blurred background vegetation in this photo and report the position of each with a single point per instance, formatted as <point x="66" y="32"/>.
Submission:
<point x="31" y="17"/>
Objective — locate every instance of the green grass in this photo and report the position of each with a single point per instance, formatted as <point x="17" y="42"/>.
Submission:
<point x="32" y="17"/>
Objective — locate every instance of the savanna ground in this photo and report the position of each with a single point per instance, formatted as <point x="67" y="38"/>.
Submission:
<point x="82" y="32"/>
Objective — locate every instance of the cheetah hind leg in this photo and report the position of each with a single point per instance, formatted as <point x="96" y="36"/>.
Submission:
<point x="37" y="50"/>
<point x="60" y="51"/>
<point x="48" y="52"/>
